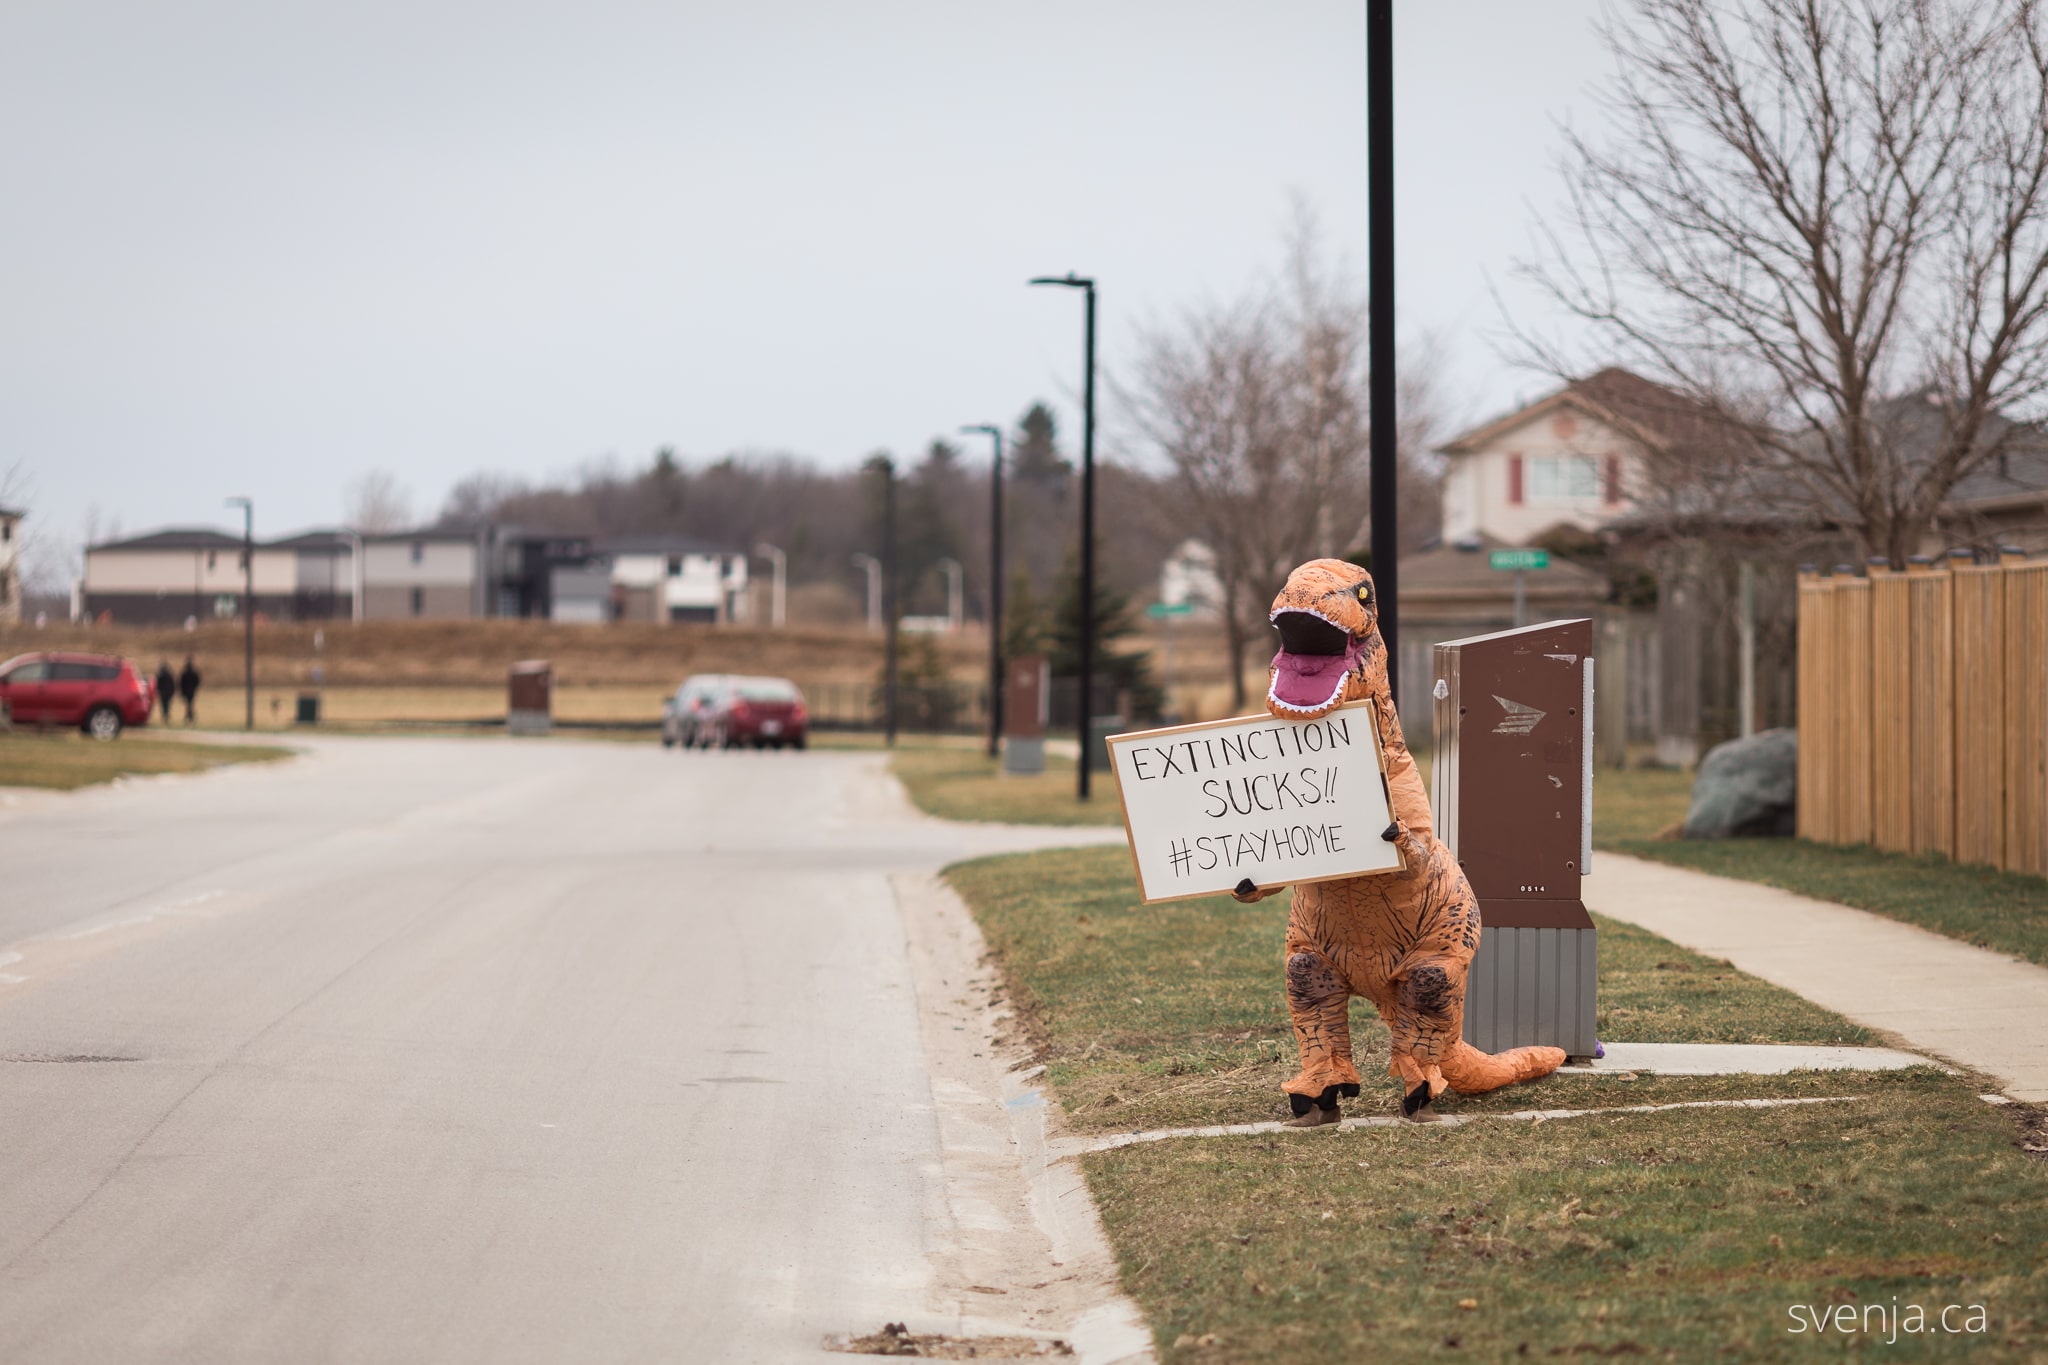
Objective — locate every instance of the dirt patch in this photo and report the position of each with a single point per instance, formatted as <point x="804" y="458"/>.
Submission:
<point x="896" y="1340"/>
<point x="2031" y="1123"/>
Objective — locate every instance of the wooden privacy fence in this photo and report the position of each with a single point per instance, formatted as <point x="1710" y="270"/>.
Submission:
<point x="1923" y="710"/>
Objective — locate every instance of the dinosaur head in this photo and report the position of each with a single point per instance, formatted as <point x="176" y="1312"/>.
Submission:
<point x="1330" y="648"/>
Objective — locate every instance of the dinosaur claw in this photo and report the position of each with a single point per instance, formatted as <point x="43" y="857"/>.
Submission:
<point x="1246" y="887"/>
<point x="1392" y="832"/>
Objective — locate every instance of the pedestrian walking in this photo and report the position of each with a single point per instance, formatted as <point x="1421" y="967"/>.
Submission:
<point x="166" y="687"/>
<point x="188" y="686"/>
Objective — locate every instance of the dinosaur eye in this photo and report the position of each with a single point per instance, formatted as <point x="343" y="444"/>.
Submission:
<point x="1365" y="594"/>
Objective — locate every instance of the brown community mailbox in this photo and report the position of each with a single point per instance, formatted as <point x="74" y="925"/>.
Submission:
<point x="529" y="704"/>
<point x="1027" y="697"/>
<point x="1512" y="785"/>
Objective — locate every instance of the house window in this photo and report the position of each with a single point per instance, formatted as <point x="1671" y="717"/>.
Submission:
<point x="1514" y="481"/>
<point x="419" y="601"/>
<point x="1558" y="478"/>
<point x="1611" y="481"/>
<point x="675" y="566"/>
<point x="7" y="527"/>
<point x="209" y="559"/>
<point x="419" y="552"/>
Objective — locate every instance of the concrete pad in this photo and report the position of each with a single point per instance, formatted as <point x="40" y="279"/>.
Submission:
<point x="1984" y="1010"/>
<point x="1743" y="1059"/>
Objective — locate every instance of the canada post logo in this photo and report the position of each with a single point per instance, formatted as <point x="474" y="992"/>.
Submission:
<point x="1520" y="719"/>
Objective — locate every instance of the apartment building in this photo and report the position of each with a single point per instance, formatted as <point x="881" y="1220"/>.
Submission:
<point x="10" y="565"/>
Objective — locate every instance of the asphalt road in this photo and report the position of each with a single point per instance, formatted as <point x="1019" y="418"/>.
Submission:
<point x="452" y="1050"/>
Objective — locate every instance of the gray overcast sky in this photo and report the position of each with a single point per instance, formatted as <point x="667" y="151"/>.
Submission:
<point x="263" y="248"/>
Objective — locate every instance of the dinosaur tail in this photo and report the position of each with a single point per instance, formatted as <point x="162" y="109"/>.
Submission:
<point x="1472" y="1072"/>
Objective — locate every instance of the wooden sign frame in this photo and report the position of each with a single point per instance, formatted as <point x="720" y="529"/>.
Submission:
<point x="1370" y="715"/>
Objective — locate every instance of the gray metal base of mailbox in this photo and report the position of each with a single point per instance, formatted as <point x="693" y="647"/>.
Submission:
<point x="1533" y="987"/>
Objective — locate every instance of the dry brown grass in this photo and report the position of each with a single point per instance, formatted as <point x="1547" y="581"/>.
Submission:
<point x="65" y="760"/>
<point x="477" y="653"/>
<point x="222" y="708"/>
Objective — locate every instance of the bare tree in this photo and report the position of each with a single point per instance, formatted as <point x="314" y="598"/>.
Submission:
<point x="1260" y="408"/>
<point x="1807" y="210"/>
<point x="474" y="501"/>
<point x="375" y="504"/>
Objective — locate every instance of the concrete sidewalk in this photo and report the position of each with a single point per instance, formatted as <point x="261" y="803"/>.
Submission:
<point x="1980" y="1009"/>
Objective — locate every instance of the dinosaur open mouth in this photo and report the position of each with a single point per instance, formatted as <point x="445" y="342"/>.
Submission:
<point x="1316" y="654"/>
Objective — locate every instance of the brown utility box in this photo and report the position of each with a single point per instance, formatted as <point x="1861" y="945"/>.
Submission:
<point x="1027" y="701"/>
<point x="1511" y="782"/>
<point x="529" y="704"/>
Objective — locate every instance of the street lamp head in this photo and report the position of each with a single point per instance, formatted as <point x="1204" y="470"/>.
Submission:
<point x="1070" y="280"/>
<point x="238" y="502"/>
<point x="983" y="430"/>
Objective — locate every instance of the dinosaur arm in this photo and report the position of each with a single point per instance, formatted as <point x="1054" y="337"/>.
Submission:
<point x="1404" y="780"/>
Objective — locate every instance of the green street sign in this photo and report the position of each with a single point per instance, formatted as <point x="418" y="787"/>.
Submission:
<point x="1512" y="560"/>
<point x="1160" y="610"/>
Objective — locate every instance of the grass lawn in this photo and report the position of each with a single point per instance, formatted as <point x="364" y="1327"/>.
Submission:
<point x="959" y="782"/>
<point x="1982" y="905"/>
<point x="1170" y="1015"/>
<point x="1631" y="809"/>
<point x="66" y="760"/>
<point x="1685" y="1234"/>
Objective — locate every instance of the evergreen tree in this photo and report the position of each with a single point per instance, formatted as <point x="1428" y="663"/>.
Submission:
<point x="665" y="484"/>
<point x="1035" y="452"/>
<point x="927" y="531"/>
<point x="1024" y="626"/>
<point x="1129" y="672"/>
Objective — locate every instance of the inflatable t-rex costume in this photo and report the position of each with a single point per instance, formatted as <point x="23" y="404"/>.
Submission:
<point x="1402" y="940"/>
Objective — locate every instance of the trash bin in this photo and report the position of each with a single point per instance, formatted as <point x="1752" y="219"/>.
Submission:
<point x="1026" y="691"/>
<point x="529" y="702"/>
<point x="1512" y="796"/>
<point x="309" y="708"/>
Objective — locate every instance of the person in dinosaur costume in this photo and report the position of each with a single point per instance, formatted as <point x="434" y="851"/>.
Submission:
<point x="1402" y="940"/>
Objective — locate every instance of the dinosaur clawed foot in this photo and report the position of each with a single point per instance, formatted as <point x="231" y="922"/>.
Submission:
<point x="1415" y="1105"/>
<point x="1319" y="1110"/>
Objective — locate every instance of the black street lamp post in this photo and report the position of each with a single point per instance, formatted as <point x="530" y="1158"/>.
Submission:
<point x="995" y="589"/>
<point x="248" y="610"/>
<point x="1379" y="221"/>
<point x="1086" y="643"/>
<point x="884" y="466"/>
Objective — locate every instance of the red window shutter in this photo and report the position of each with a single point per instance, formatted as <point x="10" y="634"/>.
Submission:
<point x="1514" y="481"/>
<point x="1611" y="481"/>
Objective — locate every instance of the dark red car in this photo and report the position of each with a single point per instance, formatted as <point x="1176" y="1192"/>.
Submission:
<point x="98" y="693"/>
<point x="718" y="711"/>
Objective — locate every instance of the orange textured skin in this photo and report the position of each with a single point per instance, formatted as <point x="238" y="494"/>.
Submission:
<point x="1402" y="940"/>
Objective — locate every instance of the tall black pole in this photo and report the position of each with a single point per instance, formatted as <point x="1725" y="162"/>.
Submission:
<point x="1379" y="221"/>
<point x="1087" y="642"/>
<point x="889" y="613"/>
<point x="995" y="591"/>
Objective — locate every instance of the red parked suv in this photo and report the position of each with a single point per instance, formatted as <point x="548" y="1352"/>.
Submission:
<point x="96" y="692"/>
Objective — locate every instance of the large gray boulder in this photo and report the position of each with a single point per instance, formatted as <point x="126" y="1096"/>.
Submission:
<point x="1746" y="788"/>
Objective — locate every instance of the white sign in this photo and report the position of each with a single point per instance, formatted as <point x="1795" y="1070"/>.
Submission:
<point x="1278" y="801"/>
